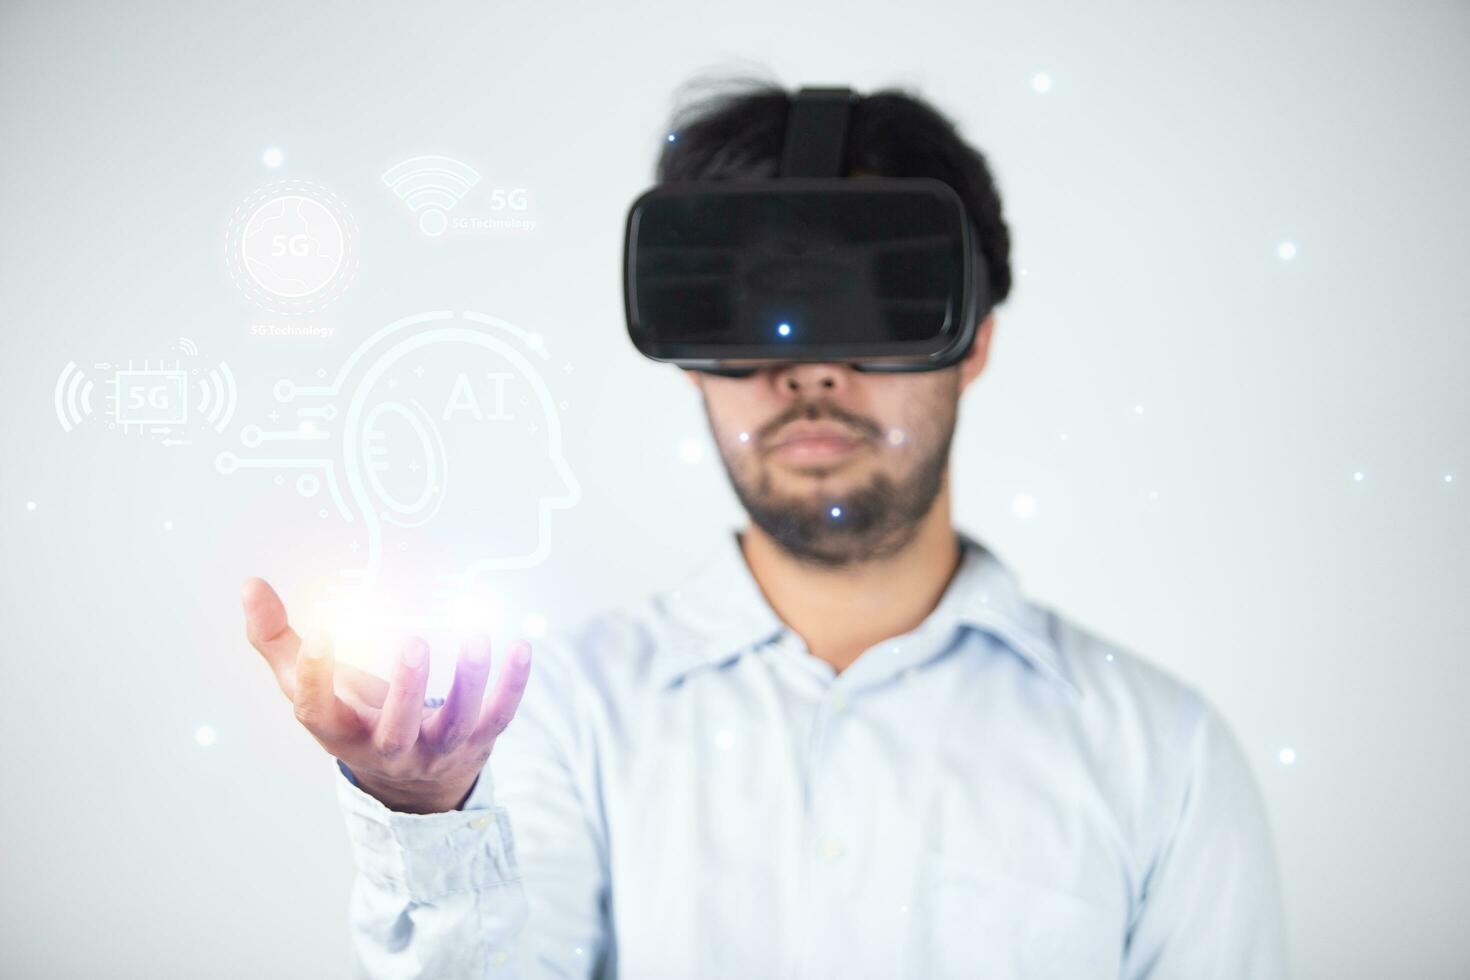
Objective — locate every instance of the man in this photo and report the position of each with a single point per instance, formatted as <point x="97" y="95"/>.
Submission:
<point x="848" y="746"/>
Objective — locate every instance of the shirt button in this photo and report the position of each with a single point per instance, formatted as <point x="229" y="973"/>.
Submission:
<point x="500" y="958"/>
<point x="838" y="702"/>
<point x="480" y="823"/>
<point x="831" y="849"/>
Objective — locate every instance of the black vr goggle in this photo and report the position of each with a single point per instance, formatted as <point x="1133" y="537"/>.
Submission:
<point x="882" y="273"/>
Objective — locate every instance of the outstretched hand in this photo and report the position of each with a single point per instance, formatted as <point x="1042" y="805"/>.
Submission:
<point x="410" y="757"/>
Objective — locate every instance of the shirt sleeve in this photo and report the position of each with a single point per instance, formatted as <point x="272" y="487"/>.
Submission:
<point x="436" y="894"/>
<point x="1212" y="905"/>
<point x="512" y="885"/>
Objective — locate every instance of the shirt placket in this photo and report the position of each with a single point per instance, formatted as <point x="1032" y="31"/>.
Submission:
<point x="826" y="846"/>
<point x="828" y="849"/>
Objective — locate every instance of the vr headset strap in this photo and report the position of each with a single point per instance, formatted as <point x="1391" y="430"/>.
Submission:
<point x="816" y="146"/>
<point x="816" y="133"/>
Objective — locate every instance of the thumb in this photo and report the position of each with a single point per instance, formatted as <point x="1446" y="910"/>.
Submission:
<point x="266" y="625"/>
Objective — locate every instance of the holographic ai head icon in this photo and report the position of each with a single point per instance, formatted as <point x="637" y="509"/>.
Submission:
<point x="446" y="455"/>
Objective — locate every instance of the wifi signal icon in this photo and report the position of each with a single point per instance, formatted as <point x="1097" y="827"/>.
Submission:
<point x="217" y="397"/>
<point x="186" y="347"/>
<point x="73" y="397"/>
<point x="431" y="186"/>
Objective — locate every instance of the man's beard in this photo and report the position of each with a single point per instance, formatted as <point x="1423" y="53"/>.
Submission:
<point x="876" y="520"/>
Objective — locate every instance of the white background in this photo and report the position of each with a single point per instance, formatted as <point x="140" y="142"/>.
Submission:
<point x="1147" y="193"/>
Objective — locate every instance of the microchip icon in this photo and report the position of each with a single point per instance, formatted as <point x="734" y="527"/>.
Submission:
<point x="154" y="397"/>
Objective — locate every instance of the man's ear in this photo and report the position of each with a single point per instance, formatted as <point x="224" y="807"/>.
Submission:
<point x="974" y="362"/>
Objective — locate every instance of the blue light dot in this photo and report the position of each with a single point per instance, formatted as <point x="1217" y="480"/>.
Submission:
<point x="836" y="511"/>
<point x="671" y="137"/>
<point x="784" y="329"/>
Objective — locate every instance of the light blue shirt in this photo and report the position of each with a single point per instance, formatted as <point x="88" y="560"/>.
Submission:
<point x="687" y="792"/>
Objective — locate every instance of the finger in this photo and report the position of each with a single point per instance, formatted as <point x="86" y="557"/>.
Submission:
<point x="368" y="688"/>
<point x="448" y="727"/>
<point x="506" y="695"/>
<point x="403" y="709"/>
<point x="269" y="632"/>
<point x="316" y="703"/>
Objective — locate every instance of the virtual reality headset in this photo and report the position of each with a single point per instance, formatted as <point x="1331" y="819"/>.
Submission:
<point x="726" y="276"/>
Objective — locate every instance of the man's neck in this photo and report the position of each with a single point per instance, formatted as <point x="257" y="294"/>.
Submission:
<point x="840" y="612"/>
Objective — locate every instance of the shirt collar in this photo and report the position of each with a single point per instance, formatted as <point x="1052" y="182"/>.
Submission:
<point x="719" y="613"/>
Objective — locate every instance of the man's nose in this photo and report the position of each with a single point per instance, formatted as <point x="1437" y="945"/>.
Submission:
<point x="810" y="379"/>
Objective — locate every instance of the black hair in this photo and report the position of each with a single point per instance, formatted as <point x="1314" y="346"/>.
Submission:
<point x="740" y="131"/>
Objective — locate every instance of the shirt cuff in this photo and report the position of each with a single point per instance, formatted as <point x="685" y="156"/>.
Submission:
<point x="429" y="855"/>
